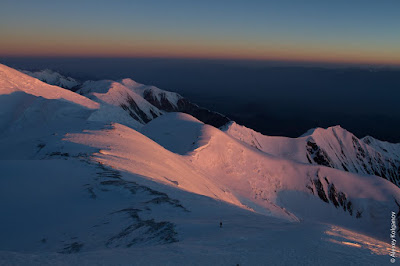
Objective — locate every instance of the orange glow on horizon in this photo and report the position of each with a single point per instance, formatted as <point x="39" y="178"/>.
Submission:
<point x="195" y="50"/>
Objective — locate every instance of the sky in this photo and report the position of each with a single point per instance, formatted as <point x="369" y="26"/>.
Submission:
<point x="360" y="32"/>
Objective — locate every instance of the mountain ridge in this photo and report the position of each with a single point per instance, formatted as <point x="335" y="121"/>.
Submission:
<point x="333" y="147"/>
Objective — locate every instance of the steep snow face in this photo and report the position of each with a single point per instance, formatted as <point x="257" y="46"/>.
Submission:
<point x="116" y="94"/>
<point x="53" y="78"/>
<point x="386" y="148"/>
<point x="12" y="80"/>
<point x="334" y="147"/>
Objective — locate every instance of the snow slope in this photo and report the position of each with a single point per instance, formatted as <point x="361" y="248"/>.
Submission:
<point x="79" y="188"/>
<point x="72" y="218"/>
<point x="26" y="102"/>
<point x="333" y="147"/>
<point x="128" y="150"/>
<point x="177" y="132"/>
<point x="12" y="80"/>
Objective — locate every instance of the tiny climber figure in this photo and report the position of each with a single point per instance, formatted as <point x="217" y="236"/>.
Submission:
<point x="220" y="224"/>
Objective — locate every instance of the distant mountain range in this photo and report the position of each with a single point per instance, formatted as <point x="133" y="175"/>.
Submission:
<point x="333" y="147"/>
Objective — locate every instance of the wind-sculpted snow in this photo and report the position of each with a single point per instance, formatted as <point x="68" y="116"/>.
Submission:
<point x="332" y="147"/>
<point x="82" y="208"/>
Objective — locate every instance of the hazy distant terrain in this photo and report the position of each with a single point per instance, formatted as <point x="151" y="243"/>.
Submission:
<point x="273" y="98"/>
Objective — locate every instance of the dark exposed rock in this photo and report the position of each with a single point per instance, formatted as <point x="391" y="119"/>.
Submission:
<point x="162" y="104"/>
<point x="357" y="146"/>
<point x="337" y="198"/>
<point x="134" y="107"/>
<point x="350" y="207"/>
<point x="365" y="160"/>
<point x="320" y="190"/>
<point x="310" y="188"/>
<point x="57" y="153"/>
<point x="342" y="199"/>
<point x="333" y="195"/>
<point x="318" y="155"/>
<point x="308" y="158"/>
<point x="344" y="167"/>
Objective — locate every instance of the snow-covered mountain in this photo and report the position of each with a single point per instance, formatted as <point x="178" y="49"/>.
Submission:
<point x="173" y="102"/>
<point x="388" y="149"/>
<point x="96" y="186"/>
<point x="144" y="103"/>
<point x="53" y="78"/>
<point x="333" y="147"/>
<point x="128" y="95"/>
<point x="116" y="94"/>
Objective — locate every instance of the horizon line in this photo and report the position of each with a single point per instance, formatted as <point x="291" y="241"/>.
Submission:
<point x="204" y="58"/>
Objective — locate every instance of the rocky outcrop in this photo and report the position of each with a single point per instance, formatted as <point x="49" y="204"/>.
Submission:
<point x="342" y="150"/>
<point x="331" y="195"/>
<point x="135" y="112"/>
<point x="317" y="154"/>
